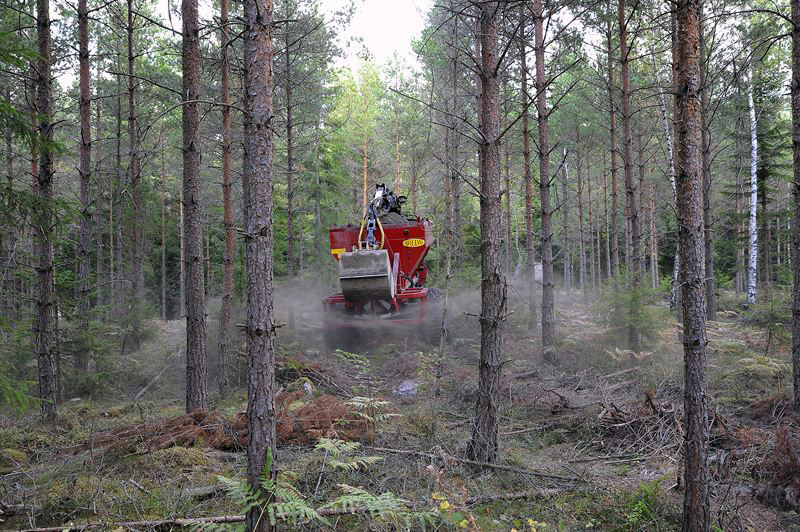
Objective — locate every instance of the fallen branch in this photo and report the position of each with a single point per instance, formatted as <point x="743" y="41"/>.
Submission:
<point x="205" y="492"/>
<point x="500" y="467"/>
<point x="482" y="499"/>
<point x="153" y="523"/>
<point x="603" y="458"/>
<point x="526" y="374"/>
<point x="149" y="384"/>
<point x="193" y="521"/>
<point x="324" y="512"/>
<point x="619" y="373"/>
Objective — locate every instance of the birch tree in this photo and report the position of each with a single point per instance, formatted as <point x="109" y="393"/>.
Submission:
<point x="752" y="267"/>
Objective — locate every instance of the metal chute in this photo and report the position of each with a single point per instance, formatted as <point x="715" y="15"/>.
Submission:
<point x="366" y="275"/>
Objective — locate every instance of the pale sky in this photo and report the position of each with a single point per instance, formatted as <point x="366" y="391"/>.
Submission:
<point x="383" y="26"/>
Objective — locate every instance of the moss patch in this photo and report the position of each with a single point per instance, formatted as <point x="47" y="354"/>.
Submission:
<point x="11" y="459"/>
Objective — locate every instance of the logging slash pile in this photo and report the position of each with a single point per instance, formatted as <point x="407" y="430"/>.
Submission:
<point x="301" y="420"/>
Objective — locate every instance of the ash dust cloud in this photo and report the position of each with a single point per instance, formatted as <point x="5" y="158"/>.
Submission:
<point x="304" y="324"/>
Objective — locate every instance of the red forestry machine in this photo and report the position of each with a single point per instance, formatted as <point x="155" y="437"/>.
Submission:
<point x="381" y="273"/>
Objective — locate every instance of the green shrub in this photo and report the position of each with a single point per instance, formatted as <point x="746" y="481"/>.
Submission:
<point x="774" y="315"/>
<point x="625" y="308"/>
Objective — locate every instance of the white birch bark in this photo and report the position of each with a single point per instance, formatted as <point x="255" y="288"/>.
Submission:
<point x="752" y="268"/>
<point x="671" y="154"/>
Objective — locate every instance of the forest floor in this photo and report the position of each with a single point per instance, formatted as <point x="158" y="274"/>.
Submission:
<point x="591" y="443"/>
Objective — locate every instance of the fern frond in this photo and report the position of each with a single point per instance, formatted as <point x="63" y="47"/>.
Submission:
<point x="336" y="447"/>
<point x="354" y="464"/>
<point x="295" y="511"/>
<point x="241" y="492"/>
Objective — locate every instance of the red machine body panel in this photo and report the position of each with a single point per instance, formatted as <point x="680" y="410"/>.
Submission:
<point x="407" y="245"/>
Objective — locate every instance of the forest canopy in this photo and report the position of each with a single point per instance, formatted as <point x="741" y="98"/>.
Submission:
<point x="595" y="188"/>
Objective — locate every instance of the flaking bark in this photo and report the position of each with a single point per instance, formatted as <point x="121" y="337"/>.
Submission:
<point x="260" y="329"/>
<point x="227" y="202"/>
<point x="483" y="445"/>
<point x="631" y="192"/>
<point x="45" y="325"/>
<point x="196" y="356"/>
<point x="548" y="302"/>
<point x="84" y="231"/>
<point x="795" y="88"/>
<point x="696" y="514"/>
<point x="526" y="152"/>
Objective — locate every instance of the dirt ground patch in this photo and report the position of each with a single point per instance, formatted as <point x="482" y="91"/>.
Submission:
<point x="593" y="442"/>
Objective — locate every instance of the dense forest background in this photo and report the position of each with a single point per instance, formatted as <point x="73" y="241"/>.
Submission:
<point x="537" y="136"/>
<point x="411" y="126"/>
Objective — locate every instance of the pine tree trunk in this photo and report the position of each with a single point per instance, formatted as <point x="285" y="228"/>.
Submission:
<point x="85" y="171"/>
<point x="764" y="238"/>
<point x="752" y="268"/>
<point x="631" y="192"/>
<point x="483" y="445"/>
<point x="100" y="274"/>
<point x="653" y="239"/>
<point x="458" y="249"/>
<point x="196" y="356"/>
<point x="449" y="246"/>
<point x="581" y="235"/>
<point x="115" y="206"/>
<point x="134" y="171"/>
<point x="30" y="243"/>
<point x="508" y="250"/>
<point x="526" y="152"/>
<point x="627" y="221"/>
<point x="740" y="267"/>
<point x="609" y="272"/>
<point x="598" y="254"/>
<point x="182" y="265"/>
<point x="665" y="125"/>
<point x="318" y="216"/>
<point x="450" y="155"/>
<point x="613" y="138"/>
<point x="640" y="165"/>
<point x="452" y="190"/>
<point x="696" y="514"/>
<point x="455" y="180"/>
<point x="223" y="362"/>
<point x="795" y="91"/>
<point x="711" y="285"/>
<point x="413" y="191"/>
<point x="674" y="301"/>
<point x="566" y="252"/>
<point x="548" y="302"/>
<point x="593" y="271"/>
<point x="399" y="177"/>
<point x="9" y="284"/>
<point x="259" y="245"/>
<point x="163" y="238"/>
<point x="45" y="325"/>
<point x="364" y="184"/>
<point x="290" y="238"/>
